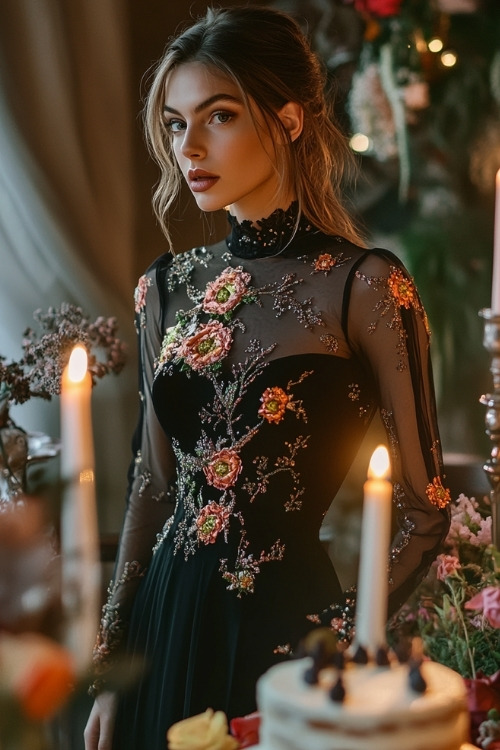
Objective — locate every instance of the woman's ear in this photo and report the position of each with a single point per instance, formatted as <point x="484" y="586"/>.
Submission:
<point x="292" y="117"/>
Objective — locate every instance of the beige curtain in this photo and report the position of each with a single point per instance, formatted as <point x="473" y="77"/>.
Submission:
<point x="67" y="198"/>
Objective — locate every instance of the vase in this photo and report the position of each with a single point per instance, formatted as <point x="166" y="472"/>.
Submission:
<point x="13" y="458"/>
<point x="19" y="449"/>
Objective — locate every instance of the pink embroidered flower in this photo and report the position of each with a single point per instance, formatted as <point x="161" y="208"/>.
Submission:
<point x="446" y="565"/>
<point x="487" y="601"/>
<point x="226" y="291"/>
<point x="212" y="520"/>
<point x="140" y="293"/>
<point x="437" y="494"/>
<point x="223" y="469"/>
<point x="274" y="402"/>
<point x="206" y="347"/>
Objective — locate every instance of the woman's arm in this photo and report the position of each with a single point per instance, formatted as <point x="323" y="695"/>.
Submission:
<point x="150" y="490"/>
<point x="387" y="328"/>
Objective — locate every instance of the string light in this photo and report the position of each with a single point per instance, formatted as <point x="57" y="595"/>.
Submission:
<point x="448" y="59"/>
<point x="360" y="143"/>
<point x="435" y="44"/>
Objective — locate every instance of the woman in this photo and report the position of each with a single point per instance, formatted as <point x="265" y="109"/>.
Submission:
<point x="263" y="360"/>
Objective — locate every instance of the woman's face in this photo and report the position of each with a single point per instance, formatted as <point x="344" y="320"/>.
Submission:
<point x="223" y="158"/>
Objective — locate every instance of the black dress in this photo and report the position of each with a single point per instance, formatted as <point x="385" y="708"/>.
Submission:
<point x="263" y="360"/>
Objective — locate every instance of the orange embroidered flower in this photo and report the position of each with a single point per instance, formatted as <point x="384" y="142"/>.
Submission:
<point x="324" y="262"/>
<point x="402" y="288"/>
<point x="212" y="520"/>
<point x="437" y="494"/>
<point x="223" y="469"/>
<point x="274" y="402"/>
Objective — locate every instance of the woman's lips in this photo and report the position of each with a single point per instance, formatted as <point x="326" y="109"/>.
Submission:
<point x="199" y="180"/>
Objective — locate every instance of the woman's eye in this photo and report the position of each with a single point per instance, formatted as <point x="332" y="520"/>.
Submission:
<point x="222" y="117"/>
<point x="174" y="126"/>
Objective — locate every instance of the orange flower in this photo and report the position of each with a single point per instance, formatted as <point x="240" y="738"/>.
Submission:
<point x="402" y="288"/>
<point x="437" y="494"/>
<point x="274" y="402"/>
<point x="223" y="469"/>
<point x="324" y="262"/>
<point x="38" y="671"/>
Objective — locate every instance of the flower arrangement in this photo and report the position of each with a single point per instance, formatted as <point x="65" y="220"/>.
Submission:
<point x="46" y="352"/>
<point x="456" y="609"/>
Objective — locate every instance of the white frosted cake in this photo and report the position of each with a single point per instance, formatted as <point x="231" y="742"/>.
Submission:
<point x="376" y="710"/>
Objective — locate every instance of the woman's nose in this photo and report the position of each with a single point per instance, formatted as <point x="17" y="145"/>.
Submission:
<point x="192" y="144"/>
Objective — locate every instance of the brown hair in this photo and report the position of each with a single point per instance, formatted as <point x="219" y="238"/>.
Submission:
<point x="266" y="54"/>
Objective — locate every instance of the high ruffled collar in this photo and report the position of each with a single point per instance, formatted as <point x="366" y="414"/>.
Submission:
<point x="269" y="236"/>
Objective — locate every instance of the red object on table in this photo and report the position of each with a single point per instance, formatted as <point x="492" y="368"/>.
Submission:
<point x="246" y="729"/>
<point x="483" y="694"/>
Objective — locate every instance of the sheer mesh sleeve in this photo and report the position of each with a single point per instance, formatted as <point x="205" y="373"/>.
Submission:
<point x="150" y="488"/>
<point x="387" y="328"/>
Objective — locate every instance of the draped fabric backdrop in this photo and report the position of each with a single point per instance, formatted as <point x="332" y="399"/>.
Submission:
<point x="67" y="198"/>
<point x="76" y="222"/>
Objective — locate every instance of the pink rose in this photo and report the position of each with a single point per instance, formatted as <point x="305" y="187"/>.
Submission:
<point x="487" y="601"/>
<point x="223" y="469"/>
<point x="447" y="564"/>
<point x="226" y="291"/>
<point x="380" y="8"/>
<point x="209" y="345"/>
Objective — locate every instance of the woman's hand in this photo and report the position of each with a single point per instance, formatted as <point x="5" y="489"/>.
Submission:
<point x="98" y="733"/>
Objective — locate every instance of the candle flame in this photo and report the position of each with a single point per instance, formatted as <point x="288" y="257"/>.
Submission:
<point x="379" y="464"/>
<point x="77" y="365"/>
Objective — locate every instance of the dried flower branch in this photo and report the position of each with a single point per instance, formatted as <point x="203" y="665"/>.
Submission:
<point x="46" y="353"/>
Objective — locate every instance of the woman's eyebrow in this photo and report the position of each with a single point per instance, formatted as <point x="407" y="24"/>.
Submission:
<point x="206" y="103"/>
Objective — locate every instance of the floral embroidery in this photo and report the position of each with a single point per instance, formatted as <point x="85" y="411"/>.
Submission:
<point x="401" y="293"/>
<point x="207" y="347"/>
<point x="242" y="580"/>
<point x="406" y="527"/>
<point x="112" y="625"/>
<point x="285" y="649"/>
<point x="182" y="267"/>
<point x="354" y="391"/>
<point x="140" y="294"/>
<point x="437" y="494"/>
<point x="226" y="292"/>
<point x="212" y="520"/>
<point x="281" y="464"/>
<point x="330" y="342"/>
<point x="325" y="262"/>
<point x="171" y="342"/>
<point x="223" y="469"/>
<point x="274" y="402"/>
<point x="339" y="617"/>
<point x="402" y="289"/>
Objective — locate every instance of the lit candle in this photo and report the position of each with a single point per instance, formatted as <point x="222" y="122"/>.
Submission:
<point x="79" y="535"/>
<point x="371" y="607"/>
<point x="495" y="286"/>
